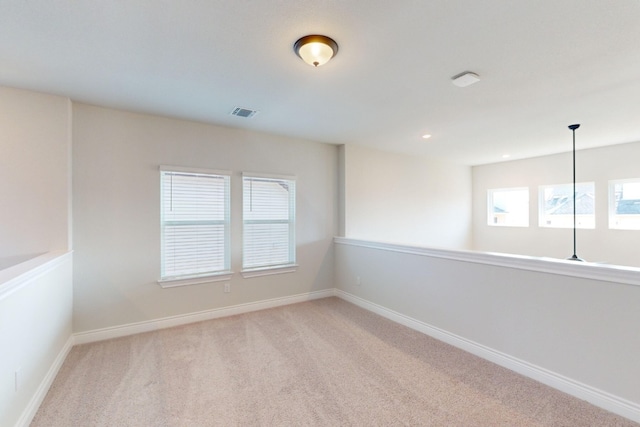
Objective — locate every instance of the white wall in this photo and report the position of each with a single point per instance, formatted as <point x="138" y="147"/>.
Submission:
<point x="35" y="334"/>
<point x="579" y="333"/>
<point x="598" y="245"/>
<point x="403" y="199"/>
<point x="35" y="193"/>
<point x="35" y="149"/>
<point x="116" y="213"/>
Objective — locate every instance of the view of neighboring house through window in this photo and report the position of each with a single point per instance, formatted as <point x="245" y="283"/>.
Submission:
<point x="508" y="207"/>
<point x="624" y="204"/>
<point x="556" y="205"/>
<point x="268" y="210"/>
<point x="194" y="223"/>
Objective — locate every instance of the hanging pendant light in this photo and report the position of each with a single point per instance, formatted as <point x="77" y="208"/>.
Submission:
<point x="574" y="257"/>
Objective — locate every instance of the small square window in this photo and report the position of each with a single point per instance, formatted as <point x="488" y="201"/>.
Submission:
<point x="624" y="204"/>
<point x="508" y="207"/>
<point x="556" y="206"/>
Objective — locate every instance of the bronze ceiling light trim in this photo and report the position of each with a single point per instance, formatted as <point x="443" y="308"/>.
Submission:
<point x="315" y="49"/>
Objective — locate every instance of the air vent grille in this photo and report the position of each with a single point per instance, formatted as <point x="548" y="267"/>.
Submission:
<point x="243" y="112"/>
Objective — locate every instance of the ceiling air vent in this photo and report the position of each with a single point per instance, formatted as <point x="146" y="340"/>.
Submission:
<point x="243" y="112"/>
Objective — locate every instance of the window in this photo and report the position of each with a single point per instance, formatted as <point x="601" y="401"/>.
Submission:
<point x="556" y="205"/>
<point x="624" y="204"/>
<point x="268" y="208"/>
<point x="194" y="224"/>
<point x="509" y="207"/>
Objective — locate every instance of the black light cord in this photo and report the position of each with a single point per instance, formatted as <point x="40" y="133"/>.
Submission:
<point x="574" y="257"/>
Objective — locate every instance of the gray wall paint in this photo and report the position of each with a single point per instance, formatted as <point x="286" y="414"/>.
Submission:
<point x="579" y="328"/>
<point x="35" y="194"/>
<point x="404" y="199"/>
<point x="582" y="329"/>
<point x="35" y="180"/>
<point x="116" y="213"/>
<point x="597" y="245"/>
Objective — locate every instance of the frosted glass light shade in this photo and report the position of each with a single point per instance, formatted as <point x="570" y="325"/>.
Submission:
<point x="316" y="50"/>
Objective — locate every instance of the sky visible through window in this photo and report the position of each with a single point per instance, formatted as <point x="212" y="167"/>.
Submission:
<point x="556" y="205"/>
<point x="509" y="207"/>
<point x="624" y="206"/>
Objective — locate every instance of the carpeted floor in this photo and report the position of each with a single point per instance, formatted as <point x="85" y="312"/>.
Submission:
<point x="320" y="363"/>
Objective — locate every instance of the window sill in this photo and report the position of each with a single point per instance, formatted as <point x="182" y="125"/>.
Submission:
<point x="195" y="280"/>
<point x="268" y="271"/>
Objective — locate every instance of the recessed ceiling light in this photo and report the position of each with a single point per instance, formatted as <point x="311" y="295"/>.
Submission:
<point x="426" y="136"/>
<point x="506" y="156"/>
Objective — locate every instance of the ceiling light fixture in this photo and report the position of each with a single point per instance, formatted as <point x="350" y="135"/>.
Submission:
<point x="465" y="79"/>
<point x="426" y="136"/>
<point x="315" y="50"/>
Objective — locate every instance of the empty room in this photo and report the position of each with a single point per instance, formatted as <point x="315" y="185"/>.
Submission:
<point x="319" y="213"/>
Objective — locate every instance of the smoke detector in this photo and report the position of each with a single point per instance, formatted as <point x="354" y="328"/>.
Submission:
<point x="465" y="79"/>
<point x="243" y="112"/>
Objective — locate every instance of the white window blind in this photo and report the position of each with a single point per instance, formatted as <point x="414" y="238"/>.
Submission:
<point x="195" y="224"/>
<point x="268" y="222"/>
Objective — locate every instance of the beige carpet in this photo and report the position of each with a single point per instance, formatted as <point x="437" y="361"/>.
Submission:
<point x="321" y="363"/>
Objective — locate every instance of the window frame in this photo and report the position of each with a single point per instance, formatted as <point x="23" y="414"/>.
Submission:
<point x="612" y="205"/>
<point x="490" y="207"/>
<point x="280" y="268"/>
<point x="541" y="207"/>
<point x="197" y="277"/>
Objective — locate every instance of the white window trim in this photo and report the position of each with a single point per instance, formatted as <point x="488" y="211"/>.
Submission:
<point x="197" y="279"/>
<point x="268" y="176"/>
<point x="174" y="282"/>
<point x="269" y="271"/>
<point x="166" y="168"/>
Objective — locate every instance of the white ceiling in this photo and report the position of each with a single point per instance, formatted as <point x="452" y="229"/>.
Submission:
<point x="544" y="64"/>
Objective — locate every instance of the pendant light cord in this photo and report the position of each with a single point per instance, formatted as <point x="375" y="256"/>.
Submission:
<point x="574" y="194"/>
<point x="574" y="257"/>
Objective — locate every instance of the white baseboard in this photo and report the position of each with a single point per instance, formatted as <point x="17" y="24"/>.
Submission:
<point x="168" y="322"/>
<point x="37" y="398"/>
<point x="577" y="389"/>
